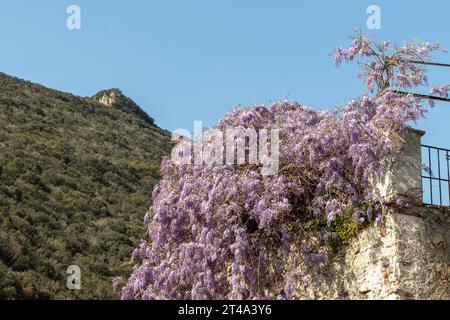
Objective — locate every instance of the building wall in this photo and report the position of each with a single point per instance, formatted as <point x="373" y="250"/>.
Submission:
<point x="407" y="257"/>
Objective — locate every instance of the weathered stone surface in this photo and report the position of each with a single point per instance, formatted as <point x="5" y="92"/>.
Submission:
<point x="409" y="260"/>
<point x="403" y="169"/>
<point x="408" y="257"/>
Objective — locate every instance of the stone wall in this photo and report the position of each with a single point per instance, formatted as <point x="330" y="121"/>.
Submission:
<point x="403" y="170"/>
<point x="407" y="257"/>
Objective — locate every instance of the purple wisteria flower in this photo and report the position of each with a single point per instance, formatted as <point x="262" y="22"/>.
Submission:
<point x="226" y="231"/>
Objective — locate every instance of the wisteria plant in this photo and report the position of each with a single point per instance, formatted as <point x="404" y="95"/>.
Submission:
<point x="228" y="232"/>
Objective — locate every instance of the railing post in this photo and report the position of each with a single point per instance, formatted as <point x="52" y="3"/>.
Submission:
<point x="403" y="170"/>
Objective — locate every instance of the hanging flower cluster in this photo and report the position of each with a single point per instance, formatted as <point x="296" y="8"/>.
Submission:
<point x="385" y="65"/>
<point x="226" y="231"/>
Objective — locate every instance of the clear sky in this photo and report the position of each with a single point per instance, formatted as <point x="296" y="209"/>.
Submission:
<point x="195" y="60"/>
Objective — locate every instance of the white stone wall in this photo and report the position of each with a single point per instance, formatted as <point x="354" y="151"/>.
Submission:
<point x="408" y="256"/>
<point x="403" y="170"/>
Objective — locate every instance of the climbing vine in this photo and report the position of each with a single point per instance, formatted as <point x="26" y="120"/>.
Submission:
<point x="226" y="231"/>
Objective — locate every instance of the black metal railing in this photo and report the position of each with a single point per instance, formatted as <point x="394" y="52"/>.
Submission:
<point x="435" y="176"/>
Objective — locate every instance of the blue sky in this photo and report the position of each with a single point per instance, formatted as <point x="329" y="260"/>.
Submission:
<point x="195" y="60"/>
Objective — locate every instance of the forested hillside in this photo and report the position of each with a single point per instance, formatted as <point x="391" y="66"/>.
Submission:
<point x="76" y="177"/>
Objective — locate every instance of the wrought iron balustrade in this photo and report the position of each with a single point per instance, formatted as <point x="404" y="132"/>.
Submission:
<point x="435" y="176"/>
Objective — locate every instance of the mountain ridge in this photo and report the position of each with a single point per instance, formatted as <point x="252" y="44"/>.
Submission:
<point x="76" y="177"/>
<point x="116" y="99"/>
<point x="112" y="97"/>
